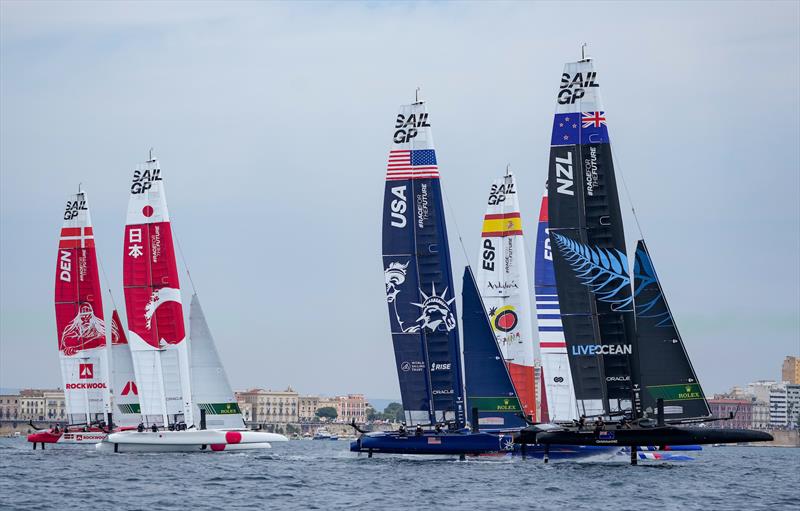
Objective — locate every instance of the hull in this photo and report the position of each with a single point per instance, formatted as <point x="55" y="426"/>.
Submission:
<point x="93" y="436"/>
<point x="188" y="441"/>
<point x="429" y="443"/>
<point x="666" y="435"/>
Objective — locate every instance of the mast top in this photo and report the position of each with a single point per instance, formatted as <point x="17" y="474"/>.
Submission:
<point x="417" y="101"/>
<point x="508" y="170"/>
<point x="584" y="58"/>
<point x="150" y="156"/>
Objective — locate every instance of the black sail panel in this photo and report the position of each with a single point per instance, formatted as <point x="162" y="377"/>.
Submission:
<point x="588" y="241"/>
<point x="666" y="371"/>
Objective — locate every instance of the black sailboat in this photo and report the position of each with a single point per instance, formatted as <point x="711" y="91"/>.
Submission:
<point x="629" y="366"/>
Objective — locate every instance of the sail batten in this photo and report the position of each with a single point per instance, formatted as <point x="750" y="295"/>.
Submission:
<point x="419" y="286"/>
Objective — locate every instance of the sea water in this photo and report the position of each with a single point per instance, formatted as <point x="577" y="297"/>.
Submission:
<point x="325" y="475"/>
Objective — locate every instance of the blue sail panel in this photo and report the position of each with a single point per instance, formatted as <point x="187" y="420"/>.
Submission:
<point x="419" y="283"/>
<point x="489" y="385"/>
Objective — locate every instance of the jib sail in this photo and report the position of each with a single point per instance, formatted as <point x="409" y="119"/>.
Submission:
<point x="153" y="304"/>
<point x="588" y="247"/>
<point x="558" y="391"/>
<point x="212" y="391"/>
<point x="503" y="283"/>
<point x="488" y="381"/>
<point x="123" y="381"/>
<point x="80" y="323"/>
<point x="419" y="282"/>
<point x="666" y="371"/>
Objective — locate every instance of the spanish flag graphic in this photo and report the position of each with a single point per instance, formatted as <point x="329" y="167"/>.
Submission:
<point x="501" y="225"/>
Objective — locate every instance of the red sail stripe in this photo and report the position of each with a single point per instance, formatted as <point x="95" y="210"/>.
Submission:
<point x="76" y="243"/>
<point x="560" y="344"/>
<point x="500" y="234"/>
<point x="500" y="216"/>
<point x="76" y="231"/>
<point x="543" y="210"/>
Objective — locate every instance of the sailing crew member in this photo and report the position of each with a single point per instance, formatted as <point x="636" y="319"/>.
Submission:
<point x="418" y="431"/>
<point x="402" y="430"/>
<point x="598" y="425"/>
<point x="154" y="429"/>
<point x="438" y="428"/>
<point x="140" y="427"/>
<point x="581" y="422"/>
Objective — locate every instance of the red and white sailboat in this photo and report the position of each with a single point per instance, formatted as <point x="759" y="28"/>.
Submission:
<point x="81" y="330"/>
<point x="173" y="418"/>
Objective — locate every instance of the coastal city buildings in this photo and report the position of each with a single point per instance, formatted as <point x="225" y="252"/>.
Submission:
<point x="270" y="406"/>
<point x="54" y="405"/>
<point x="790" y="372"/>
<point x="9" y="406"/>
<point x="308" y="408"/>
<point x="741" y="408"/>
<point x="31" y="405"/>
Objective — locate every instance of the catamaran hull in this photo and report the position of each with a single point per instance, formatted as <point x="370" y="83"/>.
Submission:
<point x="188" y="441"/>
<point x="70" y="437"/>
<point x="472" y="443"/>
<point x="667" y="435"/>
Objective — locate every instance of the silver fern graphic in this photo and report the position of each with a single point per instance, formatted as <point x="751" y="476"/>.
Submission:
<point x="603" y="271"/>
<point x="644" y="276"/>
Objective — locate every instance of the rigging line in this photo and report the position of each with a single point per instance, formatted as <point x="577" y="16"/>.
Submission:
<point x="627" y="194"/>
<point x="105" y="278"/>
<point x="455" y="222"/>
<point x="183" y="259"/>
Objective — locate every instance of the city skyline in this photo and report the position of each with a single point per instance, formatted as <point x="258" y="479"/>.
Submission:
<point x="282" y="240"/>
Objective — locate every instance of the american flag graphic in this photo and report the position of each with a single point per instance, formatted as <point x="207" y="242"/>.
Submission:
<point x="412" y="164"/>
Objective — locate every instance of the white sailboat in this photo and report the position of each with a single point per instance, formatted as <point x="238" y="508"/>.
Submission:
<point x="173" y="413"/>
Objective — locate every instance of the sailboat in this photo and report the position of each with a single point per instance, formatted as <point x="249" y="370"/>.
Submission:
<point x="503" y="283"/>
<point x="81" y="330"/>
<point x="629" y="366"/>
<point x="172" y="417"/>
<point x="421" y="301"/>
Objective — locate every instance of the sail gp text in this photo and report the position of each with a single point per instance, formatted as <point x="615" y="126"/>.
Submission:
<point x="143" y="180"/>
<point x="408" y="127"/>
<point x="573" y="88"/>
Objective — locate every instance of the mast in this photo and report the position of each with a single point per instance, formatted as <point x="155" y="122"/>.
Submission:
<point x="417" y="273"/>
<point x="588" y="246"/>
<point x="153" y="303"/>
<point x="80" y="323"/>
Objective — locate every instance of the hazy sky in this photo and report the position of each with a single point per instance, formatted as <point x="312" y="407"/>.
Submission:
<point x="272" y="122"/>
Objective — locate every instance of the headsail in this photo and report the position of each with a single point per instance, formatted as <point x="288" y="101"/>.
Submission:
<point x="212" y="391"/>
<point x="80" y="323"/>
<point x="588" y="245"/>
<point x="559" y="393"/>
<point x="157" y="335"/>
<point x="667" y="372"/>
<point x="488" y="381"/>
<point x="123" y="382"/>
<point x="503" y="283"/>
<point x="419" y="282"/>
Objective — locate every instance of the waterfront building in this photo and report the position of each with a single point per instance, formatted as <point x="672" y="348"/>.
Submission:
<point x="352" y="407"/>
<point x="54" y="405"/>
<point x="723" y="406"/>
<point x="778" y="416"/>
<point x="307" y="408"/>
<point x="793" y="405"/>
<point x="31" y="405"/>
<point x="760" y="389"/>
<point x="760" y="413"/>
<point x="790" y="372"/>
<point x="9" y="406"/>
<point x="246" y="409"/>
<point x="270" y="406"/>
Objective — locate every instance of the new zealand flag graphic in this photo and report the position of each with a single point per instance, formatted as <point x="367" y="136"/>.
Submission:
<point x="579" y="128"/>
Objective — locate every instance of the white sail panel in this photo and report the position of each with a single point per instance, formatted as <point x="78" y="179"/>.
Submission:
<point x="153" y="303"/>
<point x="504" y="288"/>
<point x="125" y="393"/>
<point x="212" y="391"/>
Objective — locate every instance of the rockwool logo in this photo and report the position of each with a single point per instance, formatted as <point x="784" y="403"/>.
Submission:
<point x="86" y="371"/>
<point x="130" y="387"/>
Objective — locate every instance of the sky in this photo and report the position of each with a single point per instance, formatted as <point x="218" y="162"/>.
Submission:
<point x="272" y="122"/>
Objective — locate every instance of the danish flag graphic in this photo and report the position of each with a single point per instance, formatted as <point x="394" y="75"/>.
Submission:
<point x="130" y="387"/>
<point x="86" y="371"/>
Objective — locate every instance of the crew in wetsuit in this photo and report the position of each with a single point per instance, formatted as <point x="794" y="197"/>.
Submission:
<point x="418" y="431"/>
<point x="402" y="430"/>
<point x="140" y="427"/>
<point x="154" y="429"/>
<point x="598" y="425"/>
<point x="581" y="422"/>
